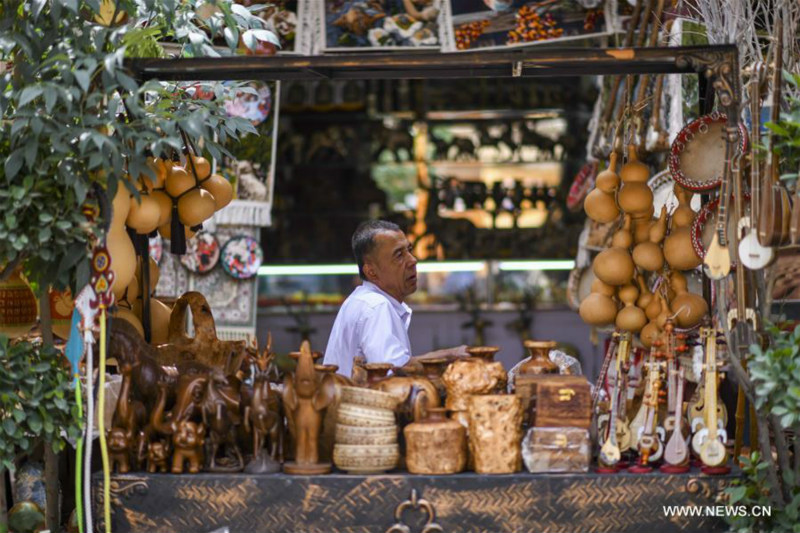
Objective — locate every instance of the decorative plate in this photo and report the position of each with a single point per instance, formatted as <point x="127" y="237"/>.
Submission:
<point x="242" y="256"/>
<point x="581" y="185"/>
<point x="253" y="107"/>
<point x="697" y="157"/>
<point x="202" y="253"/>
<point x="661" y="184"/>
<point x="579" y="286"/>
<point x="156" y="247"/>
<point x="705" y="224"/>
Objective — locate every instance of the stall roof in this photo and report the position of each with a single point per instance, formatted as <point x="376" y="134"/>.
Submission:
<point x="525" y="62"/>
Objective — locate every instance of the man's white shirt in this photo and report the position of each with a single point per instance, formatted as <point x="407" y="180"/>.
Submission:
<point x="372" y="324"/>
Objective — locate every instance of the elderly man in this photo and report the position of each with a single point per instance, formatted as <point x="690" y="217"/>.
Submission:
<point x="373" y="321"/>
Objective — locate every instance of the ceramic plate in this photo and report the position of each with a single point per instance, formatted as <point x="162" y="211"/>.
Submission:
<point x="202" y="253"/>
<point x="241" y="257"/>
<point x="253" y="107"/>
<point x="156" y="248"/>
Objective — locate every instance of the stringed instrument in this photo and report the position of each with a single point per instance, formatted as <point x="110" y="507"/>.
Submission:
<point x="709" y="442"/>
<point x="676" y="452"/>
<point x="717" y="262"/>
<point x="776" y="207"/>
<point x="610" y="452"/>
<point x="649" y="444"/>
<point x="640" y="418"/>
<point x="751" y="253"/>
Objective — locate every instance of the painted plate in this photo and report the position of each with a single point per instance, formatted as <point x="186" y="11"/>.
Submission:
<point x="202" y="253"/>
<point x="156" y="247"/>
<point x="253" y="107"/>
<point x="242" y="256"/>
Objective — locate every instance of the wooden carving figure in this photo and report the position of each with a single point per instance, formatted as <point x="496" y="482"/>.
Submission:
<point x="220" y="408"/>
<point x="157" y="456"/>
<point x="187" y="441"/>
<point x="305" y="396"/>
<point x="260" y="419"/>
<point x="120" y="443"/>
<point x="130" y="414"/>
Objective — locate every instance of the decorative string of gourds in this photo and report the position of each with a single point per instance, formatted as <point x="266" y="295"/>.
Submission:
<point x="615" y="268"/>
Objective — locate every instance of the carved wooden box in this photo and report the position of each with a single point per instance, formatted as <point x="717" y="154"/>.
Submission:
<point x="561" y="401"/>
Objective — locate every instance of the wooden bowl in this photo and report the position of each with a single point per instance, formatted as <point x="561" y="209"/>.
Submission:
<point x="358" y="415"/>
<point x="361" y="459"/>
<point x="365" y="435"/>
<point x="368" y="398"/>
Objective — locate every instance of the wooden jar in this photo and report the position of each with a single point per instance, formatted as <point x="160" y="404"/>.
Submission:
<point x="436" y="444"/>
<point x="539" y="363"/>
<point x="495" y="433"/>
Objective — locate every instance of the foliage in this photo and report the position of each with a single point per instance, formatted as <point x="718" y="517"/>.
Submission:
<point x="73" y="117"/>
<point x="786" y="132"/>
<point x="37" y="399"/>
<point x="753" y="490"/>
<point x="775" y="373"/>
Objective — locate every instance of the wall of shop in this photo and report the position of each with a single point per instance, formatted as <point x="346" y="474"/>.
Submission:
<point x="431" y="330"/>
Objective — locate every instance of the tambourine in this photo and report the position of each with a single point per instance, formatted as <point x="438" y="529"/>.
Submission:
<point x="581" y="185"/>
<point x="662" y="186"/>
<point x="579" y="286"/>
<point x="697" y="158"/>
<point x="242" y="256"/>
<point x="202" y="253"/>
<point x="705" y="224"/>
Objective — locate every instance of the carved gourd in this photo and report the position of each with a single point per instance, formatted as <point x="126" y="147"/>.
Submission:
<point x="645" y="295"/>
<point x="635" y="197"/>
<point x="630" y="318"/>
<point x="688" y="308"/>
<point x="120" y="247"/>
<point x="614" y="266"/>
<point x="678" y="249"/>
<point x="648" y="255"/>
<point x="600" y="204"/>
<point x="599" y="309"/>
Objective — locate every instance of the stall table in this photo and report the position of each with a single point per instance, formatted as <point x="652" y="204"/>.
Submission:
<point x="552" y="503"/>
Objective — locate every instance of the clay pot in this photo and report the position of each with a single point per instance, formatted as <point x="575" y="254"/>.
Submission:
<point x="539" y="358"/>
<point x="485" y="353"/>
<point x="495" y="433"/>
<point x="601" y="207"/>
<point x="433" y="370"/>
<point x="18" y="305"/>
<point x="598" y="310"/>
<point x="435" y="444"/>
<point x="376" y="372"/>
<point x="614" y="266"/>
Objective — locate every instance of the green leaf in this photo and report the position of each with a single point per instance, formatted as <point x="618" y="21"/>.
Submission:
<point x="9" y="426"/>
<point x="29" y="94"/>
<point x="14" y="163"/>
<point x="82" y="77"/>
<point x="736" y="494"/>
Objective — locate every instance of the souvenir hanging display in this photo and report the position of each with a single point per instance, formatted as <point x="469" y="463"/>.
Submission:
<point x="241" y="257"/>
<point x="254" y="104"/>
<point x="202" y="253"/>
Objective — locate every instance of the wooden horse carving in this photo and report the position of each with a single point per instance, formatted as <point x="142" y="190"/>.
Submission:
<point x="261" y="418"/>
<point x="305" y="397"/>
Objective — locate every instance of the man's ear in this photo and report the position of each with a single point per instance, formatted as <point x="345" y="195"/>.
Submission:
<point x="369" y="271"/>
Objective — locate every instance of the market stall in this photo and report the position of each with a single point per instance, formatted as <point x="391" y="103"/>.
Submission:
<point x="205" y="425"/>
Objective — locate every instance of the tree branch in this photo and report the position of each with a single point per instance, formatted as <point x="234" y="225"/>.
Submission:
<point x="10" y="267"/>
<point x="783" y="453"/>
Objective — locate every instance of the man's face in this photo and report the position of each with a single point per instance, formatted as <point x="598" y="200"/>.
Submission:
<point x="391" y="265"/>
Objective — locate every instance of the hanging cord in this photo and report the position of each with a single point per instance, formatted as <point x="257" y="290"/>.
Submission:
<point x="101" y="425"/>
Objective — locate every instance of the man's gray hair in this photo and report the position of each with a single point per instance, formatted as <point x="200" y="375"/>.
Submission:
<point x="364" y="239"/>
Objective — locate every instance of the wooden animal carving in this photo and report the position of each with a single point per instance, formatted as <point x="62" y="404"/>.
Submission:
<point x="204" y="347"/>
<point x="220" y="408"/>
<point x="260" y="418"/>
<point x="157" y="457"/>
<point x="120" y="444"/>
<point x="305" y="396"/>
<point x="187" y="441"/>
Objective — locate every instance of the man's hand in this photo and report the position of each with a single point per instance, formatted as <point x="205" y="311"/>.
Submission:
<point x="455" y="352"/>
